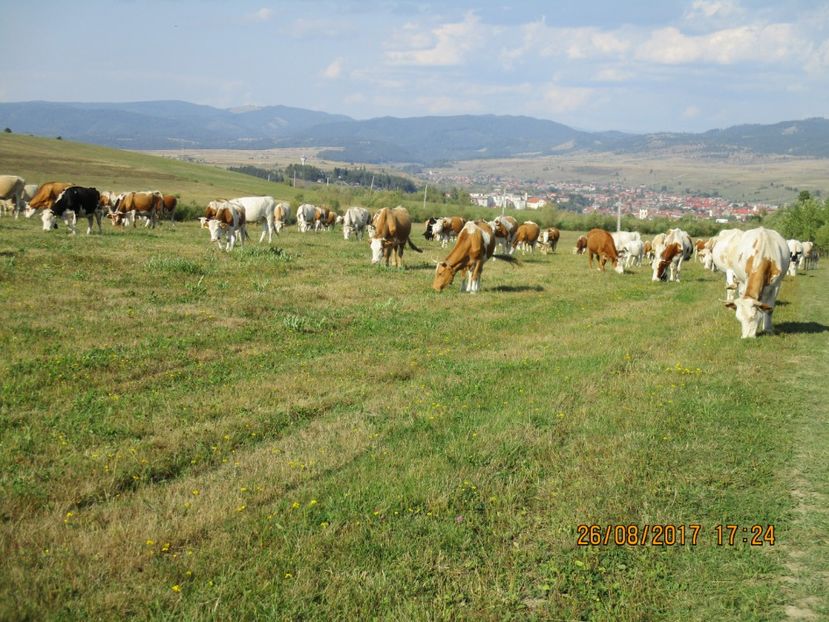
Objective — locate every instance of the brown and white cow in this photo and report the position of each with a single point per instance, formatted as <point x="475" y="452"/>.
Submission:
<point x="281" y="215"/>
<point x="759" y="259"/>
<point x="392" y="228"/>
<point x="549" y="240"/>
<point x="526" y="236"/>
<point x="45" y="197"/>
<point x="600" y="245"/>
<point x="647" y="251"/>
<point x="475" y="245"/>
<point x="228" y="219"/>
<point x="675" y="249"/>
<point x="504" y="228"/>
<point x="699" y="247"/>
<point x="134" y="204"/>
<point x="581" y="245"/>
<point x="443" y="229"/>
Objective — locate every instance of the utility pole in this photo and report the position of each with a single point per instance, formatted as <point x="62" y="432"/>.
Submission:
<point x="371" y="188"/>
<point x="424" y="196"/>
<point x="618" y="215"/>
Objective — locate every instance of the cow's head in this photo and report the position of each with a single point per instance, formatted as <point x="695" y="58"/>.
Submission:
<point x="50" y="221"/>
<point x="444" y="275"/>
<point x="750" y="314"/>
<point x="217" y="229"/>
<point x="378" y="248"/>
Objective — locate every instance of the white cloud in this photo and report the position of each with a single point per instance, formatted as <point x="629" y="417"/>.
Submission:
<point x="770" y="43"/>
<point x="262" y="15"/>
<point x="447" y="44"/>
<point x="334" y="70"/>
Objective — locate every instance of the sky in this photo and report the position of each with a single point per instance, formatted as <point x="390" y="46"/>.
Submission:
<point x="636" y="65"/>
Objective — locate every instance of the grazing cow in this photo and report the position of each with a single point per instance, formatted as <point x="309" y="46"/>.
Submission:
<point x="11" y="189"/>
<point x="281" y="215"/>
<point x="258" y="209"/>
<point x="428" y="233"/>
<point x="392" y="228"/>
<point x="228" y="219"/>
<point x="657" y="245"/>
<point x="549" y="240"/>
<point x="699" y="247"/>
<point x="45" y="197"/>
<point x="328" y="219"/>
<point x="795" y="256"/>
<point x="620" y="238"/>
<point x="168" y="208"/>
<point x="526" y="235"/>
<point x="647" y="251"/>
<point x="444" y="229"/>
<point x="633" y="251"/>
<point x="600" y="244"/>
<point x="759" y="259"/>
<point x="73" y="202"/>
<point x="355" y="221"/>
<point x="581" y="245"/>
<point x="676" y="248"/>
<point x="504" y="228"/>
<point x="475" y="245"/>
<point x="306" y="216"/>
<point x="810" y="256"/>
<point x="132" y="204"/>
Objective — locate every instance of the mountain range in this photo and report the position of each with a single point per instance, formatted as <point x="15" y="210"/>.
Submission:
<point x="425" y="140"/>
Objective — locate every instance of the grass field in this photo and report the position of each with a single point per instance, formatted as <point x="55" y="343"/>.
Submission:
<point x="291" y="433"/>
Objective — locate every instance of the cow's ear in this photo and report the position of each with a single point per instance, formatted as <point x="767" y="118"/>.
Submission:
<point x="763" y="306"/>
<point x="730" y="305"/>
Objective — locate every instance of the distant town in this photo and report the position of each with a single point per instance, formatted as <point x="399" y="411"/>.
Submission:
<point x="640" y="202"/>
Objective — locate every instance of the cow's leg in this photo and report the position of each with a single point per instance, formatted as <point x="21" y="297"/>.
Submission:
<point x="475" y="277"/>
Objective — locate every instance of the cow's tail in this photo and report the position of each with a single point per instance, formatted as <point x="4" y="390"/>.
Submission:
<point x="411" y="244"/>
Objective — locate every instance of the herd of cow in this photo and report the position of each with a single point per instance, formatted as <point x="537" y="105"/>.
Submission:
<point x="754" y="262"/>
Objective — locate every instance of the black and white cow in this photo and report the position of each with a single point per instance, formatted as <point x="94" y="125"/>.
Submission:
<point x="73" y="202"/>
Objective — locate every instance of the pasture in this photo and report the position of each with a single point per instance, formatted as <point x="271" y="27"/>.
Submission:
<point x="288" y="432"/>
<point x="293" y="433"/>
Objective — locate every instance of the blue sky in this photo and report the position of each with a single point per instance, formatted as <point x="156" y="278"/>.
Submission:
<point x="595" y="65"/>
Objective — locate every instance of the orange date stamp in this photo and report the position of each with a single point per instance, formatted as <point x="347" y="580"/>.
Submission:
<point x="669" y="534"/>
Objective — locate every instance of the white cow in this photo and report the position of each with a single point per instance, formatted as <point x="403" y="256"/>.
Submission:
<point x="633" y="251"/>
<point x="355" y="221"/>
<point x="306" y="217"/>
<point x="620" y="238"/>
<point x="759" y="259"/>
<point x="675" y="249"/>
<point x="259" y="209"/>
<point x="809" y="259"/>
<point x="795" y="256"/>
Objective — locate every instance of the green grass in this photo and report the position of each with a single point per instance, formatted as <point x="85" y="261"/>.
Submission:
<point x="289" y="432"/>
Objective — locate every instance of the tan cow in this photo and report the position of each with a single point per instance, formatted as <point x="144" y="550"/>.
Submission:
<point x="581" y="245"/>
<point x="475" y="245"/>
<point x="168" y="207"/>
<point x="281" y="215"/>
<point x="132" y="204"/>
<point x="600" y="244"/>
<point x="392" y="228"/>
<point x="11" y="189"/>
<point x="526" y="236"/>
